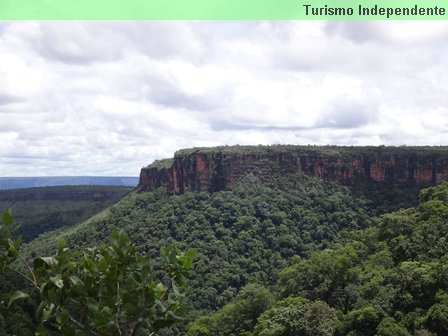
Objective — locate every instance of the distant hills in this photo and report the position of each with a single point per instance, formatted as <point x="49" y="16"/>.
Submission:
<point x="48" y="181"/>
<point x="44" y="209"/>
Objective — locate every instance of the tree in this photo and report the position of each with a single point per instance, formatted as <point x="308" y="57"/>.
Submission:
<point x="236" y="318"/>
<point x="320" y="319"/>
<point x="390" y="327"/>
<point x="284" y="318"/>
<point x="362" y="321"/>
<point x="110" y="290"/>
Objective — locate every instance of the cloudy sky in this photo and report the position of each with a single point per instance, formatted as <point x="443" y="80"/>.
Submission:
<point x="106" y="98"/>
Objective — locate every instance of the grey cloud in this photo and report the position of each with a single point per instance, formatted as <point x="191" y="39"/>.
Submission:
<point x="178" y="99"/>
<point x="109" y="97"/>
<point x="74" y="43"/>
<point x="348" y="114"/>
<point x="84" y="43"/>
<point x="357" y="31"/>
<point x="168" y="93"/>
<point x="218" y="124"/>
<point x="391" y="33"/>
<point x="7" y="99"/>
<point x="341" y="114"/>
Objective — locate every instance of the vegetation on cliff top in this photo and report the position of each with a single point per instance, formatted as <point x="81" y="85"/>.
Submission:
<point x="329" y="150"/>
<point x="161" y="164"/>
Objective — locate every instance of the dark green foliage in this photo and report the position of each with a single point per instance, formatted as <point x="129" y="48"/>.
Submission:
<point x="362" y="321"/>
<point x="9" y="247"/>
<point x="382" y="198"/>
<point x="293" y="255"/>
<point x="43" y="209"/>
<point x="111" y="290"/>
<point x="242" y="235"/>
<point x="390" y="279"/>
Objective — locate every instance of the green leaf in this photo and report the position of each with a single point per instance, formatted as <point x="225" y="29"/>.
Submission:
<point x="18" y="295"/>
<point x="47" y="312"/>
<point x="7" y="217"/>
<point x="159" y="290"/>
<point x="45" y="261"/>
<point x="57" y="281"/>
<point x="92" y="305"/>
<point x="61" y="243"/>
<point x="175" y="288"/>
<point x="76" y="281"/>
<point x="186" y="259"/>
<point x="12" y="250"/>
<point x="102" y="265"/>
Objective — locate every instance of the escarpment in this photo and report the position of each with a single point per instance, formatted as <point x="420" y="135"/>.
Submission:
<point x="214" y="169"/>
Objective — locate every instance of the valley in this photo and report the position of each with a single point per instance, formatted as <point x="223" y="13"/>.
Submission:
<point x="288" y="233"/>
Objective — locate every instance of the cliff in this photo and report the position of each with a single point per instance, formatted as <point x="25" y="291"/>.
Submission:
<point x="214" y="169"/>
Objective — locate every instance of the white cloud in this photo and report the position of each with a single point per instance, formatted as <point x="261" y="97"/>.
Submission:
<point x="106" y="98"/>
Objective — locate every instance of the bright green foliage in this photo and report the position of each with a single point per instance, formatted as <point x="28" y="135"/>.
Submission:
<point x="252" y="310"/>
<point x="437" y="316"/>
<point x="390" y="327"/>
<point x="9" y="247"/>
<point x="284" y="318"/>
<point x="111" y="290"/>
<point x="325" y="275"/>
<point x="297" y="316"/>
<point x="236" y="318"/>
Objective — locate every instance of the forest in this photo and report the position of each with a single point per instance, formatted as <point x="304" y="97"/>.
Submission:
<point x="286" y="255"/>
<point x="44" y="209"/>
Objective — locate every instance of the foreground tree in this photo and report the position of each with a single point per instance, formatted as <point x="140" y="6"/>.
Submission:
<point x="110" y="290"/>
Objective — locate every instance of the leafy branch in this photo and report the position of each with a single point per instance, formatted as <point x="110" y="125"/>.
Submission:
<point x="102" y="291"/>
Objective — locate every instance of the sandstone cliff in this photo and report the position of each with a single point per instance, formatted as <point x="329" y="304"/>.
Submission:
<point x="214" y="169"/>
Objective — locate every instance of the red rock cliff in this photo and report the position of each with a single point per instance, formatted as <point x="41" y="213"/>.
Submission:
<point x="214" y="169"/>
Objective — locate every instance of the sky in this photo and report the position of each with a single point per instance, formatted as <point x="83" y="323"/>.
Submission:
<point x="107" y="98"/>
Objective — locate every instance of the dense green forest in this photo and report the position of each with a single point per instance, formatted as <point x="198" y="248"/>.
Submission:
<point x="290" y="255"/>
<point x="245" y="234"/>
<point x="389" y="279"/>
<point x="44" y="209"/>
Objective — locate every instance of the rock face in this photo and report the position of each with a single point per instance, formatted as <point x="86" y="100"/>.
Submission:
<point x="214" y="169"/>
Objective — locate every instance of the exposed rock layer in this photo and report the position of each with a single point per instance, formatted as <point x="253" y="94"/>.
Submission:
<point x="217" y="168"/>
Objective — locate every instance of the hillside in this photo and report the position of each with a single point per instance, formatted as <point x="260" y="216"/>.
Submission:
<point x="388" y="280"/>
<point x="268" y="219"/>
<point x="243" y="234"/>
<point x="39" y="210"/>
